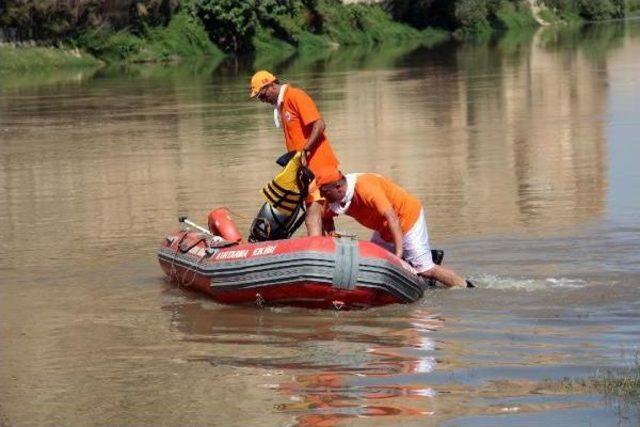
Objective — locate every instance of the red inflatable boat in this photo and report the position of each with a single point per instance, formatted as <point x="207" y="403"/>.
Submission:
<point x="312" y="272"/>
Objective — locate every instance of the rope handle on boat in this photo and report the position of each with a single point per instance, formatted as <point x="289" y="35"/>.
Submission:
<point x="195" y="272"/>
<point x="173" y="272"/>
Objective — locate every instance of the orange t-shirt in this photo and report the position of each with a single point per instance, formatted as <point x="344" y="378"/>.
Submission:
<point x="299" y="112"/>
<point x="373" y="196"/>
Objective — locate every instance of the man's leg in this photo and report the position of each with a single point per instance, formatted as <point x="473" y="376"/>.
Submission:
<point x="417" y="252"/>
<point x="444" y="275"/>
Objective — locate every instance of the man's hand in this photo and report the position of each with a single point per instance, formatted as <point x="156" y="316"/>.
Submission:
<point x="303" y="158"/>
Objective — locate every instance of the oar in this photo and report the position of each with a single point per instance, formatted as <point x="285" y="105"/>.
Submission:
<point x="185" y="220"/>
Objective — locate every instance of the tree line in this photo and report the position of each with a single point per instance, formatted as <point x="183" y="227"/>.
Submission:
<point x="232" y="24"/>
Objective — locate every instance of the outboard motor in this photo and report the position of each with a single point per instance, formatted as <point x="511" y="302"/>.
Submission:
<point x="271" y="224"/>
<point x="283" y="212"/>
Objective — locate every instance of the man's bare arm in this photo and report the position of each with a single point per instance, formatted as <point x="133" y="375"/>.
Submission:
<point x="316" y="132"/>
<point x="395" y="229"/>
<point x="313" y="220"/>
<point x="329" y="226"/>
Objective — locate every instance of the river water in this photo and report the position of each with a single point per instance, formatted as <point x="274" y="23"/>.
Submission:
<point x="524" y="151"/>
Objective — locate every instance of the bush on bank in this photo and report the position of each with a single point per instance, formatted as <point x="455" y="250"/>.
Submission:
<point x="184" y="37"/>
<point x="591" y="10"/>
<point x="469" y="16"/>
<point x="244" y="25"/>
<point x="462" y="15"/>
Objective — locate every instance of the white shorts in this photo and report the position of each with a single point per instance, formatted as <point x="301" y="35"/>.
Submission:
<point x="415" y="245"/>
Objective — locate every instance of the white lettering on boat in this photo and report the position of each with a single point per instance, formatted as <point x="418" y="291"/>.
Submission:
<point x="233" y="254"/>
<point x="244" y="253"/>
<point x="265" y="250"/>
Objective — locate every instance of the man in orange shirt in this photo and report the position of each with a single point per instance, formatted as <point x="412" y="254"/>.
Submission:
<point x="303" y="128"/>
<point x="396" y="217"/>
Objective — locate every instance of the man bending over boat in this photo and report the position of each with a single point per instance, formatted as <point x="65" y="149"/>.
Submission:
<point x="396" y="217"/>
<point x="303" y="128"/>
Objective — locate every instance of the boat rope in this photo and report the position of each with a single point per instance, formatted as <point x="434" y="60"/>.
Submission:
<point x="194" y="271"/>
<point x="173" y="272"/>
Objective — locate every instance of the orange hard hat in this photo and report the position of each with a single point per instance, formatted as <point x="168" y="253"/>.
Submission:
<point x="259" y="80"/>
<point x="328" y="175"/>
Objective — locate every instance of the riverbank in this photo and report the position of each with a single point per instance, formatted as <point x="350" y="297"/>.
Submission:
<point x="23" y="58"/>
<point x="186" y="38"/>
<point x="206" y="29"/>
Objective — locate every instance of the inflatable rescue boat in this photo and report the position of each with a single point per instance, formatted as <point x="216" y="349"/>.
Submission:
<point x="313" y="272"/>
<point x="274" y="269"/>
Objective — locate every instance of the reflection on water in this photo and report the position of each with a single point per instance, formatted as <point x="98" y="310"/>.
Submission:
<point x="327" y="352"/>
<point x="520" y="149"/>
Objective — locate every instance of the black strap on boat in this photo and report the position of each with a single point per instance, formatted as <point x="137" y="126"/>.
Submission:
<point x="184" y="248"/>
<point x="347" y="261"/>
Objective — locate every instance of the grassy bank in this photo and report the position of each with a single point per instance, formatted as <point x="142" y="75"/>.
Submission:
<point x="25" y="58"/>
<point x="183" y="39"/>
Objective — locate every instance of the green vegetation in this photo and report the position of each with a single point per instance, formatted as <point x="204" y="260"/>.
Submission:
<point x="175" y="30"/>
<point x="624" y="384"/>
<point x="281" y="26"/>
<point x="515" y="16"/>
<point x="361" y="24"/>
<point x="183" y="38"/>
<point x="21" y="59"/>
<point x="463" y="16"/>
<point x="591" y="10"/>
<point x="633" y="7"/>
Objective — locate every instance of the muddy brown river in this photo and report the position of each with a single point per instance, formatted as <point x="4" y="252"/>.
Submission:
<point x="524" y="151"/>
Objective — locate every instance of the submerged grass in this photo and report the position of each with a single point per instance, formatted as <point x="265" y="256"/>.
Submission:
<point x="623" y="384"/>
